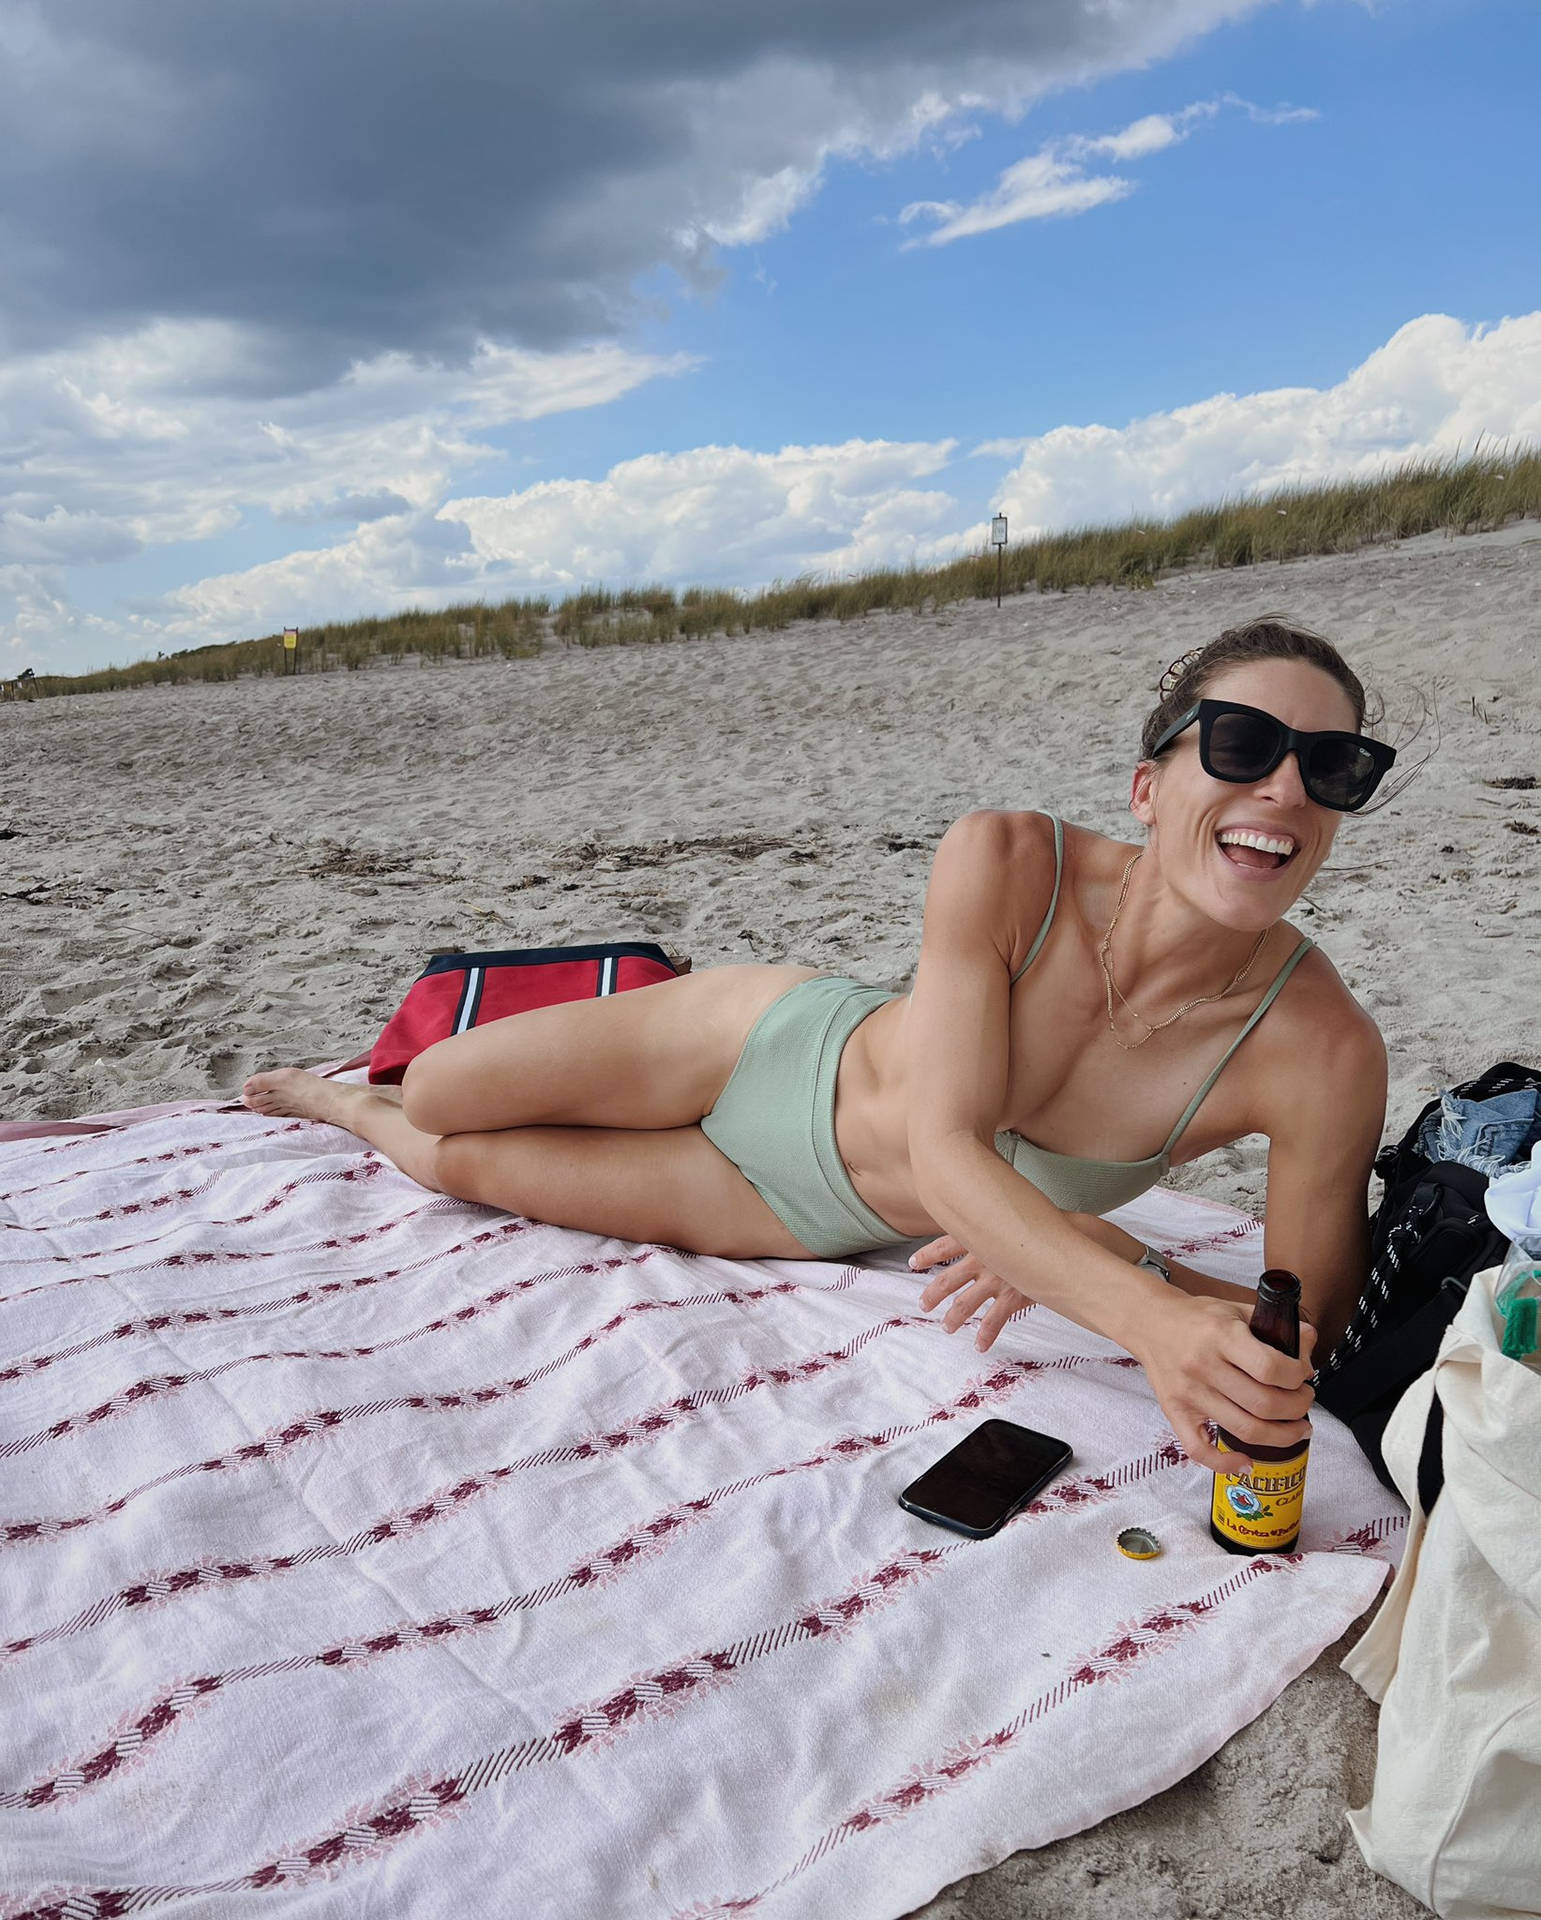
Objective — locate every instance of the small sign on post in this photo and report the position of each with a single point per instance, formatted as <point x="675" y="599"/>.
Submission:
<point x="998" y="541"/>
<point x="291" y="649"/>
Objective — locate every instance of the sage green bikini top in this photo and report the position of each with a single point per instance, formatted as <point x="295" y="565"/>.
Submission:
<point x="1077" y="1185"/>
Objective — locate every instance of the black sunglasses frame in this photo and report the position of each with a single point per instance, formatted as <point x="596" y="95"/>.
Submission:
<point x="1302" y="745"/>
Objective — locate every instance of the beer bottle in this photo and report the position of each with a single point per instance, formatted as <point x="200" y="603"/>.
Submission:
<point x="1259" y="1512"/>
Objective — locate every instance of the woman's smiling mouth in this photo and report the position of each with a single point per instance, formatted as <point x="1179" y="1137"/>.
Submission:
<point x="1250" y="850"/>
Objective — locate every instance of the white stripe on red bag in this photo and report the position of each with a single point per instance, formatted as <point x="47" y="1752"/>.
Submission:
<point x="470" y="1000"/>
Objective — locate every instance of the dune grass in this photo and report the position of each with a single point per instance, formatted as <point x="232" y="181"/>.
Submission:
<point x="1481" y="491"/>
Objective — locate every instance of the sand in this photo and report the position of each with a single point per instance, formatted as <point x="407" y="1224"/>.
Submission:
<point x="198" y="881"/>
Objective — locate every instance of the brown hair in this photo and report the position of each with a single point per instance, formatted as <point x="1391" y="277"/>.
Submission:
<point x="1270" y="638"/>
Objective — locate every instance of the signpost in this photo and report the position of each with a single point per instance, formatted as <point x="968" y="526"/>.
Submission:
<point x="998" y="541"/>
<point x="291" y="649"/>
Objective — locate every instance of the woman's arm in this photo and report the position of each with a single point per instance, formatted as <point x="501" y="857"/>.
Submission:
<point x="1197" y="1353"/>
<point x="1186" y="1279"/>
<point x="958" y="1053"/>
<point x="1331" y="1109"/>
<point x="961" y="1271"/>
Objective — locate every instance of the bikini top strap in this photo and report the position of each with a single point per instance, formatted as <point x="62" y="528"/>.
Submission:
<point x="1262" y="1007"/>
<point x="1043" y="931"/>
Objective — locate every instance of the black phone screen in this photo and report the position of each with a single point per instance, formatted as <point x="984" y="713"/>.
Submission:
<point x="977" y="1486"/>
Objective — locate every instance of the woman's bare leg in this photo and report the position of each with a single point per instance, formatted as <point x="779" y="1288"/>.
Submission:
<point x="653" y="1057"/>
<point x="582" y="1115"/>
<point x="373" y="1113"/>
<point x="665" y="1184"/>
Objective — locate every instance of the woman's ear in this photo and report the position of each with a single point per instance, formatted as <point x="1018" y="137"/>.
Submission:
<point x="1142" y="792"/>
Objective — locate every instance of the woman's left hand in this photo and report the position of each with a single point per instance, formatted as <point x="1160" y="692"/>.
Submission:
<point x="971" y="1284"/>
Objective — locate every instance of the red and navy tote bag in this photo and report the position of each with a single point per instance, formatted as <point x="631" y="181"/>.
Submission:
<point x="458" y="991"/>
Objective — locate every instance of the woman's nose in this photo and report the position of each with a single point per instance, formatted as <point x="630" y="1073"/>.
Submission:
<point x="1285" y="783"/>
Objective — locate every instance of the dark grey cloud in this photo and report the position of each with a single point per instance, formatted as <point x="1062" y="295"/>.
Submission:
<point x="349" y="176"/>
<point x="357" y="509"/>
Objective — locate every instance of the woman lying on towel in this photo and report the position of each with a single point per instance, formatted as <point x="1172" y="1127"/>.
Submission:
<point x="1074" y="997"/>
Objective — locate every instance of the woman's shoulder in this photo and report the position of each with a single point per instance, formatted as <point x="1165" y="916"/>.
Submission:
<point x="1313" y="1069"/>
<point x="1029" y="852"/>
<point x="1322" y="996"/>
<point x="998" y="866"/>
<point x="1031" y="865"/>
<point x="1010" y="833"/>
<point x="1038" y="857"/>
<point x="1020" y="852"/>
<point x="1318" y="1039"/>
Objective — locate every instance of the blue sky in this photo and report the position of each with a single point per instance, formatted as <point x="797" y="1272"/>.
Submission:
<point x="1248" y="257"/>
<point x="347" y="379"/>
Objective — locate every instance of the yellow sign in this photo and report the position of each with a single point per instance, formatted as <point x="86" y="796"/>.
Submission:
<point x="291" y="638"/>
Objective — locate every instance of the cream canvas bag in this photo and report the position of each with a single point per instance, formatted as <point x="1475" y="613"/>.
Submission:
<point x="1454" y="1655"/>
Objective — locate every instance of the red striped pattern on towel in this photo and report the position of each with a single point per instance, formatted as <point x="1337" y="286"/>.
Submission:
<point x="353" y="1537"/>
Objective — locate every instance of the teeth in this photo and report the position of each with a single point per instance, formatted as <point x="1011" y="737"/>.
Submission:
<point x="1233" y="837"/>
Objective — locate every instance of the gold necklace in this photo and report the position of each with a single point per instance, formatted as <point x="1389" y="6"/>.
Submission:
<point x="1105" y="955"/>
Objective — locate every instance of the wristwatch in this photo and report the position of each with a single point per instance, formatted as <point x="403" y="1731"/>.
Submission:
<point x="1157" y="1263"/>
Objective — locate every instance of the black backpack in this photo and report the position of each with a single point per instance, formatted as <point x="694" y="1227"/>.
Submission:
<point x="1428" y="1236"/>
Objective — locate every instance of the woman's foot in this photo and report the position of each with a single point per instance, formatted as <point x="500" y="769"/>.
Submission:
<point x="307" y="1096"/>
<point x="372" y="1114"/>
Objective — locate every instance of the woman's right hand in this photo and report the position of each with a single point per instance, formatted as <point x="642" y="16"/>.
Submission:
<point x="1204" y="1365"/>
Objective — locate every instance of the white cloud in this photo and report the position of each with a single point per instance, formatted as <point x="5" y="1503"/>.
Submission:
<point x="1054" y="182"/>
<point x="1433" y="389"/>
<point x="772" y="131"/>
<point x="409" y="559"/>
<point x="711" y="514"/>
<point x="733" y="515"/>
<point x="717" y="513"/>
<point x="153" y="438"/>
<point x="1038" y="188"/>
<point x="138" y="441"/>
<point x="729" y="514"/>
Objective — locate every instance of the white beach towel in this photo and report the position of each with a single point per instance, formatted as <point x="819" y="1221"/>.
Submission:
<point x="1455" y="1653"/>
<point x="367" y="1551"/>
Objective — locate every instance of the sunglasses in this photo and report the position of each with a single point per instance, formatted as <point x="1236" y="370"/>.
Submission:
<point x="1242" y="744"/>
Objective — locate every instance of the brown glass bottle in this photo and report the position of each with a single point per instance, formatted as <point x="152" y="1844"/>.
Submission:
<point x="1260" y="1512"/>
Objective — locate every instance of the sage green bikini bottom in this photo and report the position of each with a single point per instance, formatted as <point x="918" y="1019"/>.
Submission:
<point x="775" y="1119"/>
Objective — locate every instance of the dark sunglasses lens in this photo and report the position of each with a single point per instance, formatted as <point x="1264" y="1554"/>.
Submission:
<point x="1342" y="774"/>
<point x="1242" y="746"/>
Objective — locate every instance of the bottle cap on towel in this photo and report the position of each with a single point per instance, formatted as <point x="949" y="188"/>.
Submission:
<point x="1139" y="1543"/>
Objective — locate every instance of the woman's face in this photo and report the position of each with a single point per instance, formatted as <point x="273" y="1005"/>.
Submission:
<point x="1194" y="820"/>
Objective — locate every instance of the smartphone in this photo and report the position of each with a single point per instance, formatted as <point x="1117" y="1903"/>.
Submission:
<point x="978" y="1486"/>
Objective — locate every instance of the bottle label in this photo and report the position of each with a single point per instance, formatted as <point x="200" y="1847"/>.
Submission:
<point x="1261" y="1510"/>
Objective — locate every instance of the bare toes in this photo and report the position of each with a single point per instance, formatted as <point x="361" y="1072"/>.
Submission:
<point x="287" y="1090"/>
